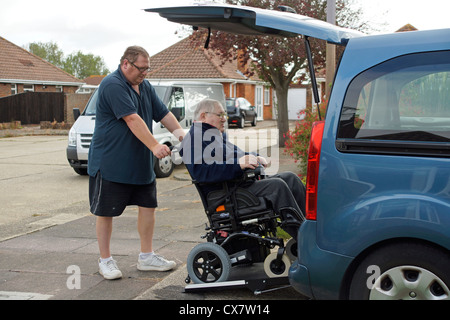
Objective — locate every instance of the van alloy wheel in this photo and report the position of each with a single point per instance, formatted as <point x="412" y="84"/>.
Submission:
<point x="404" y="270"/>
<point x="409" y="283"/>
<point x="164" y="167"/>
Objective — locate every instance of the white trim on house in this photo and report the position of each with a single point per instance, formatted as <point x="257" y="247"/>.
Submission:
<point x="41" y="82"/>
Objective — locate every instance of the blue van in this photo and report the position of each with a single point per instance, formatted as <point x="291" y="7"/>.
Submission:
<point x="378" y="185"/>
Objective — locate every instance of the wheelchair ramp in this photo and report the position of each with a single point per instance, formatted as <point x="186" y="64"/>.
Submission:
<point x="243" y="277"/>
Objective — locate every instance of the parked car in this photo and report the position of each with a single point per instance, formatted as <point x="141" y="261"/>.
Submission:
<point x="240" y="111"/>
<point x="378" y="184"/>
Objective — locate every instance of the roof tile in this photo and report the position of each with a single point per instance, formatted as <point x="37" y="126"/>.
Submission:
<point x="183" y="61"/>
<point x="17" y="63"/>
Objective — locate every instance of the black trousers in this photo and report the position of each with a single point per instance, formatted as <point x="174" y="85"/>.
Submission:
<point x="287" y="195"/>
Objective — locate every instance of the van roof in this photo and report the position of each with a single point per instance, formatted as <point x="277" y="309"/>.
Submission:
<point x="181" y="82"/>
<point x="378" y="48"/>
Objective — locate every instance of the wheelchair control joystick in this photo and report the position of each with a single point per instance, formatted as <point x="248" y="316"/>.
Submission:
<point x="255" y="174"/>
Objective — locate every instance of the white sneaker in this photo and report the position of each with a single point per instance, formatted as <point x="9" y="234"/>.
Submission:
<point x="109" y="270"/>
<point x="155" y="263"/>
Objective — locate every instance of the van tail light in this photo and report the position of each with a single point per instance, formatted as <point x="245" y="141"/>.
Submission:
<point x="315" y="145"/>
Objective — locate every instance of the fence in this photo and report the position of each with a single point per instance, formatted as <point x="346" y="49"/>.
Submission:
<point x="32" y="107"/>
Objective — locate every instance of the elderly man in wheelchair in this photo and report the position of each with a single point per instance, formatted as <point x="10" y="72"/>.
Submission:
<point x="244" y="207"/>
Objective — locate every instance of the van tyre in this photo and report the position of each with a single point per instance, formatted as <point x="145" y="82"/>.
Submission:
<point x="164" y="167"/>
<point x="208" y="262"/>
<point x="403" y="271"/>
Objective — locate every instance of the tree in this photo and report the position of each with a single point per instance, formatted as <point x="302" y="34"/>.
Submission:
<point x="77" y="64"/>
<point x="48" y="51"/>
<point x="84" y="65"/>
<point x="277" y="60"/>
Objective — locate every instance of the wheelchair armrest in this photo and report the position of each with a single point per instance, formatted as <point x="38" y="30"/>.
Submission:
<point x="249" y="174"/>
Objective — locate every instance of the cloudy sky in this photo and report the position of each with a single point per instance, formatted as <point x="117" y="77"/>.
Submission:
<point x="107" y="27"/>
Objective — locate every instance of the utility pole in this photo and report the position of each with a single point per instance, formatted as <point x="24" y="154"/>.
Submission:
<point x="331" y="49"/>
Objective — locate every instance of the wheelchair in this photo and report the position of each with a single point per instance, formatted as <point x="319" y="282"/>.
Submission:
<point x="241" y="230"/>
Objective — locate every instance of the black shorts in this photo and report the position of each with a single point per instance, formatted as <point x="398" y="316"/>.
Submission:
<point x="109" y="199"/>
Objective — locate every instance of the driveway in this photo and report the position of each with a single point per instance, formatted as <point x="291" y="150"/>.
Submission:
<point x="45" y="227"/>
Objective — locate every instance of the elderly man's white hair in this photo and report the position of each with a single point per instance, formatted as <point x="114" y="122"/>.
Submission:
<point x="207" y="105"/>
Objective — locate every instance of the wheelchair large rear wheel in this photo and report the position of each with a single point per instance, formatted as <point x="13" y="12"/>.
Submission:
<point x="208" y="262"/>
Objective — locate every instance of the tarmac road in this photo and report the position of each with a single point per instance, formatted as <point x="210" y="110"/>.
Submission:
<point x="47" y="234"/>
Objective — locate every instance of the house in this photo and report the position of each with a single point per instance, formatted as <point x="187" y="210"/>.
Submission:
<point x="407" y="27"/>
<point x="22" y="71"/>
<point x="91" y="83"/>
<point x="182" y="61"/>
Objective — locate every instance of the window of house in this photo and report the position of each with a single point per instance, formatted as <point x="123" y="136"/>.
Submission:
<point x="266" y="96"/>
<point x="13" y="88"/>
<point x="28" y="87"/>
<point x="60" y="89"/>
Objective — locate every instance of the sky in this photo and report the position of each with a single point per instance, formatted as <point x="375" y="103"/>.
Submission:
<point x="106" y="27"/>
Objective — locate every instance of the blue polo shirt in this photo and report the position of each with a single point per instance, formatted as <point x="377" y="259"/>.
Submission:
<point x="115" y="151"/>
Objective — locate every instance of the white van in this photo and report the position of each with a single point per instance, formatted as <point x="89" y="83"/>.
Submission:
<point x="180" y="97"/>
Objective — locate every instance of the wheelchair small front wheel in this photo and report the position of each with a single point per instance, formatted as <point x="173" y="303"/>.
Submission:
<point x="208" y="262"/>
<point x="277" y="268"/>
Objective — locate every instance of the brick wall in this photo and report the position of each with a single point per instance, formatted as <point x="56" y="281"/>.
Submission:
<point x="5" y="89"/>
<point x="72" y="101"/>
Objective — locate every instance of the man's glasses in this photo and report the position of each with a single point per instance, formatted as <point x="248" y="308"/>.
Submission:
<point x="221" y="115"/>
<point x="141" y="69"/>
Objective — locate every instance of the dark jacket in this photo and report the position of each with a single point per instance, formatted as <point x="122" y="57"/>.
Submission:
<point x="209" y="156"/>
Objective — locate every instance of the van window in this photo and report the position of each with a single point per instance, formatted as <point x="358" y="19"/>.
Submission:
<point x="406" y="99"/>
<point x="161" y="91"/>
<point x="195" y="94"/>
<point x="92" y="105"/>
<point x="176" y="100"/>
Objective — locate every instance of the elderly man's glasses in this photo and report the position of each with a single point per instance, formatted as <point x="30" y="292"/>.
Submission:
<point x="141" y="69"/>
<point x="221" y="115"/>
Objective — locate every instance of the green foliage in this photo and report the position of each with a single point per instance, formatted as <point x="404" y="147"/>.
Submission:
<point x="77" y="64"/>
<point x="84" y="65"/>
<point x="297" y="140"/>
<point x="279" y="60"/>
<point x="48" y="51"/>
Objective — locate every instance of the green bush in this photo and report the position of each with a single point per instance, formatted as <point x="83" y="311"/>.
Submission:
<point x="297" y="142"/>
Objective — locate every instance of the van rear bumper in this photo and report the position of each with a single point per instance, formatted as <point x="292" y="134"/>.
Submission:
<point x="299" y="279"/>
<point x="317" y="273"/>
